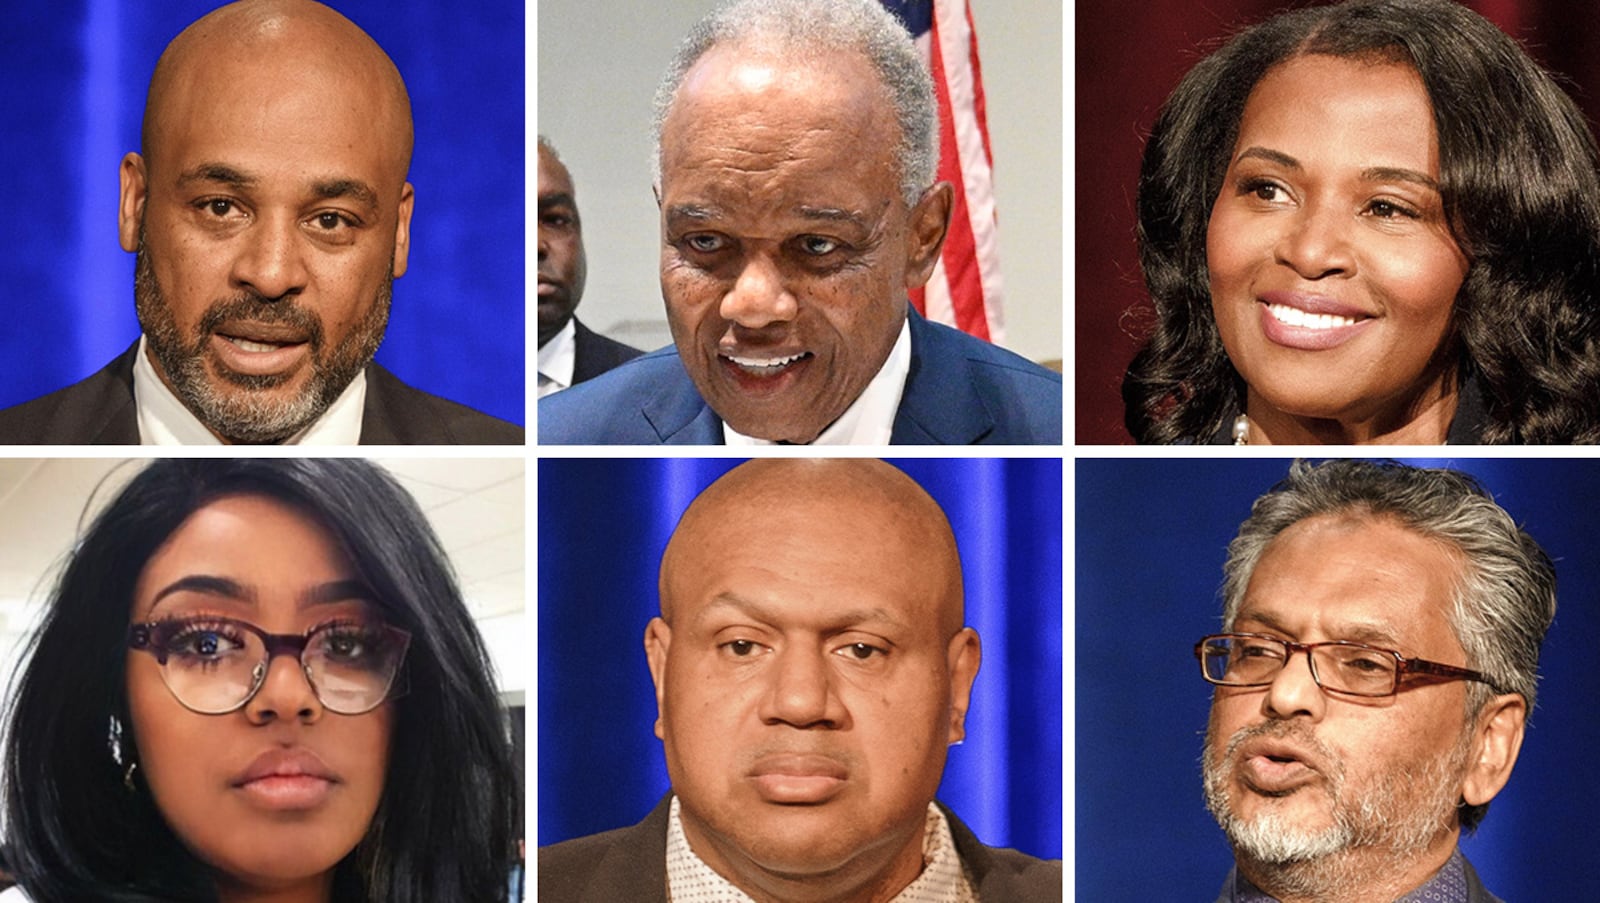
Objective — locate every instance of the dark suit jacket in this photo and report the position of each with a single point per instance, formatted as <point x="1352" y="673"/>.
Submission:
<point x="631" y="864"/>
<point x="595" y="354"/>
<point x="960" y="391"/>
<point x="100" y="411"/>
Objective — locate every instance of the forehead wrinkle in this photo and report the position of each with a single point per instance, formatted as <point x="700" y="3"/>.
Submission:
<point x="1371" y="631"/>
<point x="770" y="617"/>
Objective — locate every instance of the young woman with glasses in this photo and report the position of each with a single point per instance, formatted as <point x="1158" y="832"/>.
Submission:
<point x="257" y="680"/>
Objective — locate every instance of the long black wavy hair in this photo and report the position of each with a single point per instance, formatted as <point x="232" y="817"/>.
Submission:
<point x="1520" y="182"/>
<point x="447" y="823"/>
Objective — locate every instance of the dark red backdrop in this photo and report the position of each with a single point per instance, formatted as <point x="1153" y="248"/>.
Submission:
<point x="1129" y="57"/>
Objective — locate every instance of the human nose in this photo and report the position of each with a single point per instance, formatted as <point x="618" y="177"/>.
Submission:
<point x="1294" y="691"/>
<point x="285" y="691"/>
<point x="1317" y="244"/>
<point x="272" y="261"/>
<point x="802" y="692"/>
<point x="758" y="297"/>
<point x="544" y="244"/>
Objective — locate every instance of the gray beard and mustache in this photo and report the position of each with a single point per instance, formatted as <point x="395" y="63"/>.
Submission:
<point x="1396" y="818"/>
<point x="235" y="405"/>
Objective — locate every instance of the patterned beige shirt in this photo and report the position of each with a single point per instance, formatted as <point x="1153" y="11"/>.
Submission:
<point x="943" y="880"/>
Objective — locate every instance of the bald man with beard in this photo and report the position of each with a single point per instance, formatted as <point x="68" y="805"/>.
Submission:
<point x="811" y="668"/>
<point x="270" y="213"/>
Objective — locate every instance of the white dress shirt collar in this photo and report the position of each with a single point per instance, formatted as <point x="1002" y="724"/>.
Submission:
<point x="870" y="418"/>
<point x="558" y="359"/>
<point x="165" y="420"/>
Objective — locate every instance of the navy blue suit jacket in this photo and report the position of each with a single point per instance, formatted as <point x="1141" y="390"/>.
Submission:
<point x="960" y="391"/>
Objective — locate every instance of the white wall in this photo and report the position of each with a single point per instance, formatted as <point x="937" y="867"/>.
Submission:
<point x="598" y="62"/>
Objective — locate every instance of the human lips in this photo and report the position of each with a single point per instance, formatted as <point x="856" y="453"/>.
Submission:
<point x="1310" y="322"/>
<point x="549" y="286"/>
<point x="1275" y="767"/>
<point x="767" y="365"/>
<point x="761" y="371"/>
<point x="259" y="348"/>
<point x="798" y="778"/>
<point x="289" y="779"/>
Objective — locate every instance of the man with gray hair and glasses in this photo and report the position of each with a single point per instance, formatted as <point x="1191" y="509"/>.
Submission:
<point x="1375" y="673"/>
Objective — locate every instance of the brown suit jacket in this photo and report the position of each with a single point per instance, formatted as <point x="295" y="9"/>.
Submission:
<point x="100" y="411"/>
<point x="631" y="864"/>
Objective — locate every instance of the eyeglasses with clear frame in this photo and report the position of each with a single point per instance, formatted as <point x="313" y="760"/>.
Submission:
<point x="215" y="665"/>
<point x="1339" y="666"/>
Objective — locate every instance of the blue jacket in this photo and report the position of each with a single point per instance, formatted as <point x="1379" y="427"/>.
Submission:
<point x="960" y="391"/>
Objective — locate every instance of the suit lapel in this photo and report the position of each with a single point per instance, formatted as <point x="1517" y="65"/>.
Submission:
<point x="678" y="415"/>
<point x="939" y="405"/>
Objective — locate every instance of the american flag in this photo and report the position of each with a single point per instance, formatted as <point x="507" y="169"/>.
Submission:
<point x="964" y="291"/>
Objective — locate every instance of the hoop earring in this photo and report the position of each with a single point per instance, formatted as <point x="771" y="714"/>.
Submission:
<point x="127" y="776"/>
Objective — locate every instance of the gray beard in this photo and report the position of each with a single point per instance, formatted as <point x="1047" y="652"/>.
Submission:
<point x="1391" y="823"/>
<point x="234" y="405"/>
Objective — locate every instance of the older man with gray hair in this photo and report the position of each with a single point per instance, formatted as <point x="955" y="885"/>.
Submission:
<point x="795" y="161"/>
<point x="1376" y="669"/>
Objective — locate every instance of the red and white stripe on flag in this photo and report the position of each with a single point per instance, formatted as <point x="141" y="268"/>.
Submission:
<point x="965" y="289"/>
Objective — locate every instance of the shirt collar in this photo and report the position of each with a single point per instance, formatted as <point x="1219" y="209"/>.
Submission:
<point x="558" y="358"/>
<point x="870" y="418"/>
<point x="943" y="879"/>
<point x="1448" y="885"/>
<point x="165" y="420"/>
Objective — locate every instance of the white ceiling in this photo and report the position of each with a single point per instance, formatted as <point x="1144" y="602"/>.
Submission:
<point x="476" y="505"/>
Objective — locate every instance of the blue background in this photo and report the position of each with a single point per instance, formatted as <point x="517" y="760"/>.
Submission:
<point x="1151" y="539"/>
<point x="73" y="75"/>
<point x="602" y="527"/>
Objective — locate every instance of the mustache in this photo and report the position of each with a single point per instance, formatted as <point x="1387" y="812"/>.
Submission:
<point x="256" y="308"/>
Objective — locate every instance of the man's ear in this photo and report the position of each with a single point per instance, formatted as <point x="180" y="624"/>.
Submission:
<point x="130" y="205"/>
<point x="657" y="640"/>
<point x="962" y="656"/>
<point x="1497" y="739"/>
<point x="402" y="230"/>
<point x="929" y="222"/>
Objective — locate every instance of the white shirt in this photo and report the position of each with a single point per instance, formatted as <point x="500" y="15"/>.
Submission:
<point x="870" y="418"/>
<point x="943" y="878"/>
<point x="558" y="358"/>
<point x="164" y="420"/>
<point x="14" y="895"/>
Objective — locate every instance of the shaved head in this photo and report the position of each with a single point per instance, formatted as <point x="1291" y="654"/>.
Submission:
<point x="270" y="212"/>
<point x="279" y="47"/>
<point x="810" y="621"/>
<point x="872" y="507"/>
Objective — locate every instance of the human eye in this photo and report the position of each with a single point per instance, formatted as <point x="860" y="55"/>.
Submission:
<point x="1254" y="647"/>
<point x="740" y="648"/>
<point x="349" y="643"/>
<point x="704" y="242"/>
<point x="817" y="245"/>
<point x="1389" y="209"/>
<point x="200" y="643"/>
<point x="219" y="209"/>
<point x="331" y="223"/>
<point x="558" y="218"/>
<point x="861" y="652"/>
<point x="1260" y="188"/>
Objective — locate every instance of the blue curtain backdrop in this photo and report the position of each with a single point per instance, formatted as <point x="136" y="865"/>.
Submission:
<point x="1151" y="538"/>
<point x="72" y="83"/>
<point x="602" y="527"/>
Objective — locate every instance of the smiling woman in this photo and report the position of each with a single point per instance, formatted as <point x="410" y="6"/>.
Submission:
<point x="251" y="677"/>
<point x="1372" y="222"/>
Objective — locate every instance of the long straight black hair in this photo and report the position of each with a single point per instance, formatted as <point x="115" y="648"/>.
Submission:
<point x="447" y="823"/>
